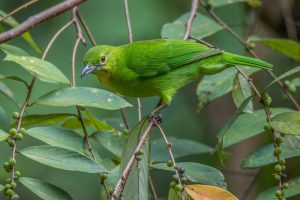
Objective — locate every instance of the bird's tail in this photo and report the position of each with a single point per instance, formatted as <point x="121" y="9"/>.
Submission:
<point x="234" y="59"/>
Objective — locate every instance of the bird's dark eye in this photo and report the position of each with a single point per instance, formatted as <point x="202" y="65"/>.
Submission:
<point x="103" y="59"/>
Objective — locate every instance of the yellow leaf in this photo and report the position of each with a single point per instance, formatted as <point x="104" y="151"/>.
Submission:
<point x="208" y="192"/>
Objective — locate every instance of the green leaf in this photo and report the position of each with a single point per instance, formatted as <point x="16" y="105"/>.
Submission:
<point x="6" y="91"/>
<point x="173" y="195"/>
<point x="97" y="124"/>
<point x="264" y="156"/>
<point x="180" y="148"/>
<point x="293" y="190"/>
<point x="219" y="3"/>
<point x="286" y="47"/>
<point x="111" y="141"/>
<point x="203" y="26"/>
<point x="74" y="123"/>
<point x="62" y="159"/>
<point x="47" y="119"/>
<point x="286" y="123"/>
<point x="197" y="173"/>
<point x="136" y="187"/>
<point x="241" y="91"/>
<point x="296" y="82"/>
<point x="246" y="126"/>
<point x="214" y="86"/>
<point x="10" y="49"/>
<point x="59" y="137"/>
<point x="3" y="135"/>
<point x="292" y="142"/>
<point x="26" y="36"/>
<point x="13" y="78"/>
<point x="284" y="75"/>
<point x="5" y="123"/>
<point x="83" y="96"/>
<point x="1" y="187"/>
<point x="45" y="70"/>
<point x="44" y="190"/>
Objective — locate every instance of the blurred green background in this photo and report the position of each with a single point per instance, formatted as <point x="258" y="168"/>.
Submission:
<point x="106" y="20"/>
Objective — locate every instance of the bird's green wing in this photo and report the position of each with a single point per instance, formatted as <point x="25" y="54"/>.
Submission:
<point x="155" y="57"/>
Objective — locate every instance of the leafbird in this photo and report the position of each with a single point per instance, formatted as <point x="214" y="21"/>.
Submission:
<point x="158" y="67"/>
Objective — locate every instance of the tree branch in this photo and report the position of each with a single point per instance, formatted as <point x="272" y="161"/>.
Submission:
<point x="39" y="18"/>
<point x="188" y="25"/>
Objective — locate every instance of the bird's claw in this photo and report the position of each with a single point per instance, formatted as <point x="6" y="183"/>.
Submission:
<point x="156" y="118"/>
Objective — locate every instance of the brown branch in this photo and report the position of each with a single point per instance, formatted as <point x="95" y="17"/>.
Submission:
<point x="17" y="10"/>
<point x="39" y="18"/>
<point x="188" y="25"/>
<point x="249" y="50"/>
<point x="125" y="119"/>
<point x="121" y="182"/>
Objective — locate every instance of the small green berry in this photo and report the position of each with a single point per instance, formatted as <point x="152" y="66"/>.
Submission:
<point x="283" y="167"/>
<point x="277" y="177"/>
<point x="277" y="151"/>
<point x="12" y="131"/>
<point x="19" y="136"/>
<point x="140" y="152"/>
<point x="17" y="174"/>
<point x="104" y="176"/>
<point x="15" y="115"/>
<point x="22" y="130"/>
<point x="184" y="180"/>
<point x="267" y="127"/>
<point x="6" y="165"/>
<point x="251" y="45"/>
<point x="285" y="186"/>
<point x="292" y="88"/>
<point x="9" y="192"/>
<point x="175" y="177"/>
<point x="169" y="163"/>
<point x="278" y="168"/>
<point x="126" y="132"/>
<point x="279" y="140"/>
<point x="287" y="83"/>
<point x="278" y="193"/>
<point x="15" y="197"/>
<point x="138" y="158"/>
<point x="282" y="162"/>
<point x="7" y="186"/>
<point x="173" y="184"/>
<point x="13" y="185"/>
<point x="12" y="162"/>
<point x="266" y="99"/>
<point x="10" y="142"/>
<point x="178" y="188"/>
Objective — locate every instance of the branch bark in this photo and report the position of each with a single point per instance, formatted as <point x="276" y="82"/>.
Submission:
<point x="39" y="18"/>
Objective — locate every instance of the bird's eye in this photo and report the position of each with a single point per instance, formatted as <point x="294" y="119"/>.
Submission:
<point x="103" y="59"/>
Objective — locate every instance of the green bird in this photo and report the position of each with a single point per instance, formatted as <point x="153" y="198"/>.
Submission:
<point x="158" y="67"/>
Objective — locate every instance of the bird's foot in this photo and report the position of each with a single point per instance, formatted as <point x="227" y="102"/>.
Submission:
<point x="155" y="117"/>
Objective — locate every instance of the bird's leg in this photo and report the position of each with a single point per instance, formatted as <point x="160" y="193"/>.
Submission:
<point x="155" y="114"/>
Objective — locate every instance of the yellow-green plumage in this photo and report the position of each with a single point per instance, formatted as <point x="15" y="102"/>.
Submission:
<point x="158" y="67"/>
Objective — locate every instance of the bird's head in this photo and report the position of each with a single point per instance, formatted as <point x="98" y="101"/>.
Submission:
<point x="98" y="60"/>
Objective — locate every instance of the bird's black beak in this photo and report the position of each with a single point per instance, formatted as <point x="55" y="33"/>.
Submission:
<point x="88" y="69"/>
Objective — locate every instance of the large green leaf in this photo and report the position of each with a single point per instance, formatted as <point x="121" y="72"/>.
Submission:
<point x="180" y="147"/>
<point x="289" y="48"/>
<point x="5" y="123"/>
<point x="83" y="96"/>
<point x="6" y="91"/>
<point x="197" y="173"/>
<point x="3" y="135"/>
<point x="62" y="159"/>
<point x="136" y="187"/>
<point x="60" y="137"/>
<point x="44" y="190"/>
<point x="264" y="156"/>
<point x="214" y="86"/>
<point x="45" y="119"/>
<point x="287" y="123"/>
<point x="10" y="49"/>
<point x="13" y="78"/>
<point x="284" y="75"/>
<point x="246" y="126"/>
<point x="26" y="36"/>
<point x="111" y="141"/>
<point x="203" y="26"/>
<point x="241" y="91"/>
<point x="292" y="142"/>
<point x="97" y="124"/>
<point x="44" y="69"/>
<point x="293" y="190"/>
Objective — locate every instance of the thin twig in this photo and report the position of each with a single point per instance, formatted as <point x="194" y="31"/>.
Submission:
<point x="17" y="10"/>
<point x="249" y="50"/>
<point x="153" y="191"/>
<point x="39" y="18"/>
<point x="125" y="174"/>
<point x="169" y="145"/>
<point x="86" y="29"/>
<point x="125" y="119"/>
<point x="188" y="25"/>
